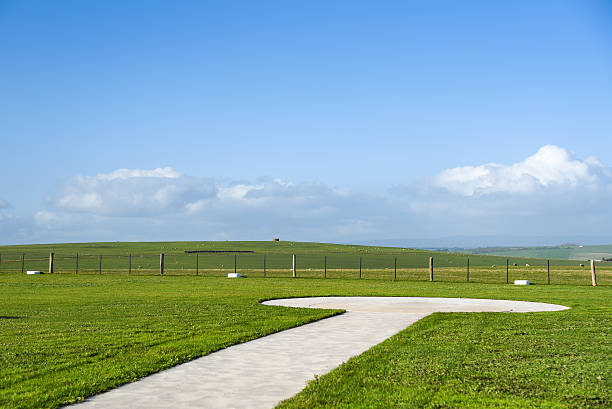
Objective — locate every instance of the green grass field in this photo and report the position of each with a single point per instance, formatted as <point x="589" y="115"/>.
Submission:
<point x="315" y="260"/>
<point x="65" y="337"/>
<point x="568" y="252"/>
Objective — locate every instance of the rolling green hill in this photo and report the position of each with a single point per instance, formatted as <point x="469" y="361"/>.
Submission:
<point x="274" y="259"/>
<point x="568" y="252"/>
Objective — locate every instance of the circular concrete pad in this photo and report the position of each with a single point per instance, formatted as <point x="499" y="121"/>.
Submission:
<point x="415" y="304"/>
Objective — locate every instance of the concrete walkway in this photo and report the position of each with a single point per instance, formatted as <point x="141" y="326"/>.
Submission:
<point x="262" y="372"/>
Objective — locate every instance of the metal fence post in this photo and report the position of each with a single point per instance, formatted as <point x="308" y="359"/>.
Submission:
<point x="360" y="267"/>
<point x="100" y="267"/>
<point x="76" y="264"/>
<point x="161" y="264"/>
<point x="22" y="261"/>
<point x="235" y="262"/>
<point x="264" y="266"/>
<point x="548" y="270"/>
<point x="468" y="270"/>
<point x="130" y="264"/>
<point x="325" y="262"/>
<point x="197" y="264"/>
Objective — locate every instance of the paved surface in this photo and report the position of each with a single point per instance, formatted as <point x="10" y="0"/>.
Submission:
<point x="261" y="373"/>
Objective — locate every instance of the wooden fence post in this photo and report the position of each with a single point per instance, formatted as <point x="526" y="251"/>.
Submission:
<point x="507" y="275"/>
<point x="431" y="268"/>
<point x="359" y="267"/>
<point x="294" y="266"/>
<point x="22" y="261"/>
<point x="593" y="275"/>
<point x="161" y="264"/>
<point x="507" y="270"/>
<point x="51" y="257"/>
<point x="468" y="270"/>
<point x="394" y="268"/>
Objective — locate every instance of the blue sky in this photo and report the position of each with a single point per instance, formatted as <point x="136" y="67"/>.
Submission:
<point x="324" y="121"/>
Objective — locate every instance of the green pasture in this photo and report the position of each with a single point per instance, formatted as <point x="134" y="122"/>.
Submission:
<point x="67" y="336"/>
<point x="568" y="251"/>
<point x="274" y="259"/>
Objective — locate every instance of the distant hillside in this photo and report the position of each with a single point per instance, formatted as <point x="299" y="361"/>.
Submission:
<point x="565" y="251"/>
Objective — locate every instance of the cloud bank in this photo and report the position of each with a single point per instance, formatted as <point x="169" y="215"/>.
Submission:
<point x="131" y="192"/>
<point x="548" y="193"/>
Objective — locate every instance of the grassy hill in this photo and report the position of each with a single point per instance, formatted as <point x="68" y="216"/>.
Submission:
<point x="568" y="252"/>
<point x="274" y="259"/>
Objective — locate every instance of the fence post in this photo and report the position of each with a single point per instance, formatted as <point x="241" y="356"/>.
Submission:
<point x="360" y="267"/>
<point x="235" y="262"/>
<point x="130" y="265"/>
<point x="100" y="267"/>
<point x="394" y="268"/>
<point x="325" y="276"/>
<point x="507" y="275"/>
<point x="161" y="264"/>
<point x="431" y="268"/>
<point x="51" y="257"/>
<point x="548" y="270"/>
<point x="294" y="266"/>
<point x="507" y="269"/>
<point x="468" y="270"/>
<point x="197" y="263"/>
<point x="0" y="260"/>
<point x="22" y="261"/>
<point x="593" y="275"/>
<point x="76" y="266"/>
<point x="264" y="266"/>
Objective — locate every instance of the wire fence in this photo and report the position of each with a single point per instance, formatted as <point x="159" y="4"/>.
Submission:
<point x="405" y="266"/>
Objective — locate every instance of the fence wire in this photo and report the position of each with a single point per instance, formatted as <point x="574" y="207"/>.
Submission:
<point x="406" y="266"/>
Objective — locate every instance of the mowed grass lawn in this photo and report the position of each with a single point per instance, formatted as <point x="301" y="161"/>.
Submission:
<point x="66" y="337"/>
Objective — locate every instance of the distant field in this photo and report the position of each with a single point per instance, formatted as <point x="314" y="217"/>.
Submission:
<point x="316" y="260"/>
<point x="567" y="252"/>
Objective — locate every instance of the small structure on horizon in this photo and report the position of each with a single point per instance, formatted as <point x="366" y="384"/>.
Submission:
<point x="276" y="239"/>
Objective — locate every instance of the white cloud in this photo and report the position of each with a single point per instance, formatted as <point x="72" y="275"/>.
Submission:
<point x="4" y="204"/>
<point x="166" y="172"/>
<point x="550" y="167"/>
<point x="549" y="193"/>
<point x="162" y="204"/>
<point x="131" y="192"/>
